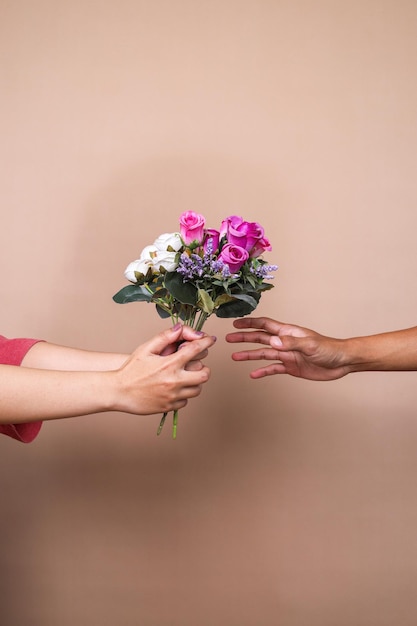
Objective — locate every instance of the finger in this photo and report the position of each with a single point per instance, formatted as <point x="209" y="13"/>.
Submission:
<point x="189" y="334"/>
<point x="177" y="405"/>
<point x="294" y="331"/>
<point x="249" y="337"/>
<point x="185" y="394"/>
<point x="194" y="366"/>
<point x="173" y="347"/>
<point x="269" y="370"/>
<point x="195" y="377"/>
<point x="190" y="385"/>
<point x="163" y="341"/>
<point x="268" y="354"/>
<point x="188" y="394"/>
<point x="192" y="392"/>
<point x="170" y="349"/>
<point x="198" y="357"/>
<point x="191" y="349"/>
<point x="248" y="322"/>
<point x="296" y="341"/>
<point x="261" y="323"/>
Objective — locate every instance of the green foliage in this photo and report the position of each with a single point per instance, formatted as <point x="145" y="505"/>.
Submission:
<point x="132" y="293"/>
<point x="204" y="302"/>
<point x="226" y="298"/>
<point x="162" y="312"/>
<point x="239" y="305"/>
<point x="181" y="291"/>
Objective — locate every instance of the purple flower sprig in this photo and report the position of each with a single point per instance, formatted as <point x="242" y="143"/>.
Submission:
<point x="263" y="271"/>
<point x="193" y="267"/>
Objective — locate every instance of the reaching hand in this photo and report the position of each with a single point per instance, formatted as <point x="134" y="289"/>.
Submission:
<point x="297" y="351"/>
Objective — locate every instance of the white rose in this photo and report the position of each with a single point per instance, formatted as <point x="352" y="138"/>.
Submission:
<point x="166" y="260"/>
<point x="140" y="265"/>
<point x="168" y="240"/>
<point x="148" y="253"/>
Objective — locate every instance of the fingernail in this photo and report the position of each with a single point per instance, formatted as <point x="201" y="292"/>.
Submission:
<point x="177" y="326"/>
<point x="199" y="333"/>
<point x="214" y="338"/>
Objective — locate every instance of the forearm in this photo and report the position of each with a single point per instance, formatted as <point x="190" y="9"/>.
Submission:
<point x="49" y="356"/>
<point x="390" y="351"/>
<point x="34" y="394"/>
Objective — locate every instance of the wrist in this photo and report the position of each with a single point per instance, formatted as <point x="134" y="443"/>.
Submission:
<point x="120" y="392"/>
<point x="355" y="357"/>
<point x="112" y="392"/>
<point x="368" y="353"/>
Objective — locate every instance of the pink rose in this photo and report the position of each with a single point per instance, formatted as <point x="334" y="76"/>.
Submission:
<point x="260" y="246"/>
<point x="232" y="220"/>
<point x="213" y="236"/>
<point x="245" y="234"/>
<point x="192" y="227"/>
<point x="233" y="256"/>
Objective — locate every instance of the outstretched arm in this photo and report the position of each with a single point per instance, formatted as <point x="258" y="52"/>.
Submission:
<point x="154" y="379"/>
<point x="304" y="353"/>
<point x="49" y="356"/>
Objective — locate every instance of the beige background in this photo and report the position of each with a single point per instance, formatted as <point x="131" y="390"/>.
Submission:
<point x="282" y="502"/>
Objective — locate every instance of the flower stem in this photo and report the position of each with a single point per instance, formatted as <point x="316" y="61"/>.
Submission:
<point x="174" y="425"/>
<point x="197" y="324"/>
<point x="201" y="320"/>
<point x="161" y="423"/>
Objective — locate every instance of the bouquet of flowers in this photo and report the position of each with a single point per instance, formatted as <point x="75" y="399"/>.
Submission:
<point x="198" y="271"/>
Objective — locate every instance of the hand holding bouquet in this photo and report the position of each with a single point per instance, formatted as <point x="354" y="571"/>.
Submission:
<point x="198" y="271"/>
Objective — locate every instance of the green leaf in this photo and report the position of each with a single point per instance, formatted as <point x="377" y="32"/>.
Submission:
<point x="162" y="313"/>
<point x="185" y="312"/>
<point x="140" y="278"/>
<point x="205" y="302"/>
<point x="132" y="293"/>
<point x="242" y="304"/>
<point x="184" y="292"/>
<point x="265" y="286"/>
<point x="251" y="280"/>
<point x="222" y="299"/>
<point x="160" y="292"/>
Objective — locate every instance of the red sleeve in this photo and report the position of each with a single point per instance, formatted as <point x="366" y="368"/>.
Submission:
<point x="12" y="352"/>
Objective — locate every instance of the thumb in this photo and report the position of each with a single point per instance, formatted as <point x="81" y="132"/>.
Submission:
<point x="289" y="339"/>
<point x="165" y="339"/>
